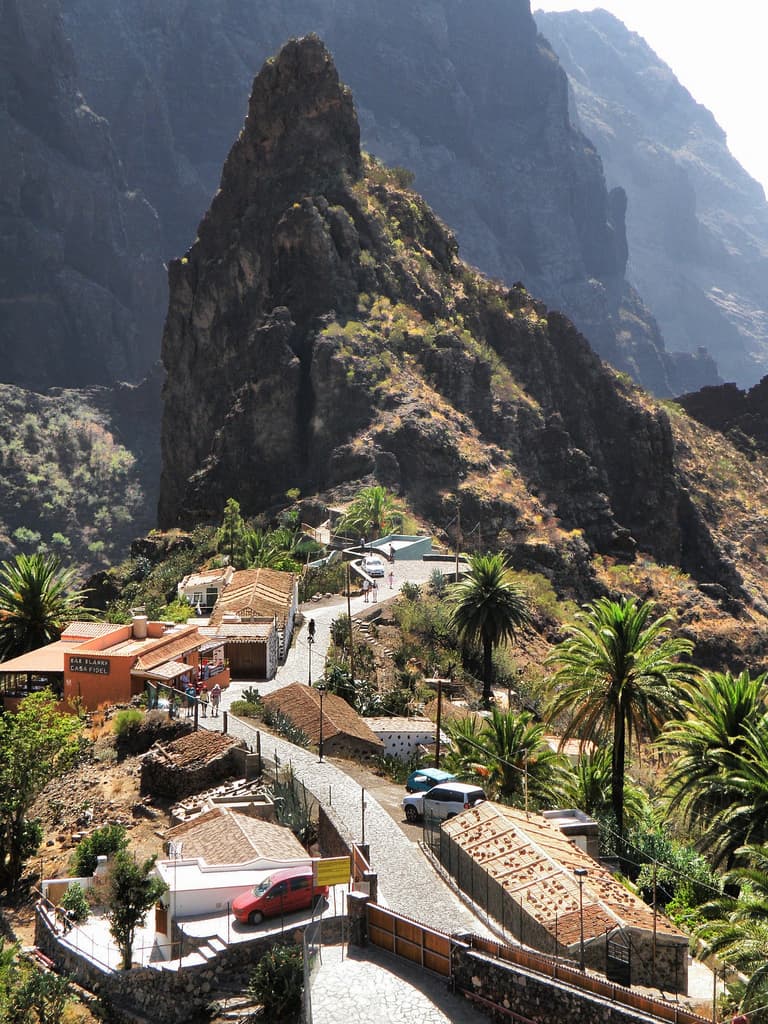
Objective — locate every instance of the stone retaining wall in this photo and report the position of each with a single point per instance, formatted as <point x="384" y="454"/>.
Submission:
<point x="180" y="996"/>
<point x="537" y="999"/>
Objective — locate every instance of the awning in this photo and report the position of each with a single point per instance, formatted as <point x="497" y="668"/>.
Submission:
<point x="162" y="673"/>
<point x="45" y="659"/>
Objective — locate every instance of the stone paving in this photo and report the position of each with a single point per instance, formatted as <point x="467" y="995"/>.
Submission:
<point x="360" y="986"/>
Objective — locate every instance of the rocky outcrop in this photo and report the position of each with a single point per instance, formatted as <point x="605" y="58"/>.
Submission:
<point x="80" y="286"/>
<point x="465" y="95"/>
<point x="741" y="415"/>
<point x="324" y="331"/>
<point x="697" y="223"/>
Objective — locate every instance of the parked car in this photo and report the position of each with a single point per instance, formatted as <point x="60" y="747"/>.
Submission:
<point x="374" y="566"/>
<point x="282" y="892"/>
<point x="422" y="779"/>
<point x="442" y="801"/>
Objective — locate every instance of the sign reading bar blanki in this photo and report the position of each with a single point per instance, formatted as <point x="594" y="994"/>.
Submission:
<point x="331" y="870"/>
<point x="94" y="666"/>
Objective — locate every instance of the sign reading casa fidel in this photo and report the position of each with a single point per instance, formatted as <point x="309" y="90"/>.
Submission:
<point x="94" y="666"/>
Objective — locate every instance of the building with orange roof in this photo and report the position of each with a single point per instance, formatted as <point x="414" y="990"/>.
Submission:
<point x="344" y="731"/>
<point x="255" y="596"/>
<point x="97" y="663"/>
<point x="544" y="889"/>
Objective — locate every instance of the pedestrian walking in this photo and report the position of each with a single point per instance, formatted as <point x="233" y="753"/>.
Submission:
<point x="191" y="697"/>
<point x="366" y="589"/>
<point x="375" y="592"/>
<point x="215" y="698"/>
<point x="391" y="579"/>
<point x="204" y="700"/>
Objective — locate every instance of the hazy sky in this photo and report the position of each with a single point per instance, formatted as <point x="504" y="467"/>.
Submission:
<point x="717" y="51"/>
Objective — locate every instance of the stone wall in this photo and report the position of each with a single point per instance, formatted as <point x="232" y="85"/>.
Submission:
<point x="178" y="781"/>
<point x="533" y="998"/>
<point x="180" y="995"/>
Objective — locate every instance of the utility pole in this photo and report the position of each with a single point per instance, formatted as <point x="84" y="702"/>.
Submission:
<point x="351" y="638"/>
<point x="458" y="537"/>
<point x="437" y="723"/>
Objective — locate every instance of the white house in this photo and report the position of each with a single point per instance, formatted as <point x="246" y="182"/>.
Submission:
<point x="202" y="589"/>
<point x="403" y="736"/>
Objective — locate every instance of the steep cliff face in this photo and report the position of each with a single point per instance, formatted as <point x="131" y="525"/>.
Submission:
<point x="697" y="223"/>
<point x="80" y="290"/>
<point x="322" y="331"/>
<point x="464" y="94"/>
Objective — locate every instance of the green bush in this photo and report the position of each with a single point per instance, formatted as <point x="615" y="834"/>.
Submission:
<point x="246" y="709"/>
<point x="127" y="721"/>
<point x="103" y="841"/>
<point x="75" y="903"/>
<point x="277" y="982"/>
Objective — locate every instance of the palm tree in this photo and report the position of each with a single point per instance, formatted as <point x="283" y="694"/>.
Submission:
<point x="372" y="514"/>
<point x="38" y="597"/>
<point x="736" y="929"/>
<point x="488" y="607"/>
<point x="589" y="788"/>
<point x="708" y="747"/>
<point x="617" y="674"/>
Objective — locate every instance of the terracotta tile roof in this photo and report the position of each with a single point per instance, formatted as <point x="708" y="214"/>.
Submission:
<point x="302" y="705"/>
<point x="534" y="862"/>
<point x="169" y="648"/>
<point x="234" y="632"/>
<point x="394" y="724"/>
<point x="89" y="630"/>
<point x="262" y="592"/>
<point x="193" y="750"/>
<point x="222" y="836"/>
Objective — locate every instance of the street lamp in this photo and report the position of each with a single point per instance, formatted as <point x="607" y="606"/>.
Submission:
<point x="321" y="690"/>
<point x="581" y="874"/>
<point x="310" y="642"/>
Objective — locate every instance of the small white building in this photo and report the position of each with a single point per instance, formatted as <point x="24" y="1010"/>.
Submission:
<point x="202" y="589"/>
<point x="403" y="736"/>
<point x="217" y="856"/>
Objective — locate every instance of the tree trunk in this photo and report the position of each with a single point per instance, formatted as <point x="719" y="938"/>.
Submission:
<point x="617" y="778"/>
<point x="487" y="672"/>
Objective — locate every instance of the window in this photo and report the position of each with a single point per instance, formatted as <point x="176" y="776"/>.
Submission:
<point x="211" y="596"/>
<point x="197" y="597"/>
<point x="300" y="883"/>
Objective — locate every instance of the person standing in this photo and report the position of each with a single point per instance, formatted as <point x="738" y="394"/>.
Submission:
<point x="375" y="592"/>
<point x="366" y="589"/>
<point x="391" y="579"/>
<point x="215" y="699"/>
<point x="204" y="700"/>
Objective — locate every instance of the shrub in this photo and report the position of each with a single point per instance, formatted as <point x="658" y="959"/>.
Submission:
<point x="103" y="841"/>
<point x="277" y="982"/>
<point x="247" y="709"/>
<point x="75" y="903"/>
<point x="410" y="591"/>
<point x="127" y="721"/>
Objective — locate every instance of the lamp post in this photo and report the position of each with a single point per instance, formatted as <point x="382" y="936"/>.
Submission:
<point x="321" y="691"/>
<point x="581" y="874"/>
<point x="310" y="642"/>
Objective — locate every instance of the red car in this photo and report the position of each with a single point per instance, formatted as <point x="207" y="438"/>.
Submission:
<point x="282" y="892"/>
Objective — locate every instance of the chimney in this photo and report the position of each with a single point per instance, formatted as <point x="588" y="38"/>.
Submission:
<point x="139" y="627"/>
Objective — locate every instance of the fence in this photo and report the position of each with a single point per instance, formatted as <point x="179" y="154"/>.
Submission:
<point x="405" y="938"/>
<point x="540" y="963"/>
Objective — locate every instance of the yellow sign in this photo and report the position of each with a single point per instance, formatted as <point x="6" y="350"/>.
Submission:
<point x="331" y="870"/>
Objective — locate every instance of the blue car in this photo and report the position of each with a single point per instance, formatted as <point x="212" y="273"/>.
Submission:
<point x="422" y="779"/>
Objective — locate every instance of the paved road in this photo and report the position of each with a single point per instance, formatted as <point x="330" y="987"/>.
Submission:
<point x="407" y="883"/>
<point x="358" y="986"/>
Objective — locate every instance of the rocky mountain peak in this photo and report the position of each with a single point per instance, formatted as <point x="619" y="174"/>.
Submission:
<point x="323" y="334"/>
